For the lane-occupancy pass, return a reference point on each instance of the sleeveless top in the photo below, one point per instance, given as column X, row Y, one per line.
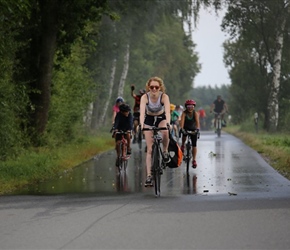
column 154, row 107
column 189, row 122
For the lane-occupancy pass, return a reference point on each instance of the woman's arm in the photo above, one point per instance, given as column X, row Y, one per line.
column 166, row 103
column 182, row 120
column 197, row 120
column 143, row 102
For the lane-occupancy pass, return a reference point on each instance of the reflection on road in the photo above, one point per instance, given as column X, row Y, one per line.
column 225, row 165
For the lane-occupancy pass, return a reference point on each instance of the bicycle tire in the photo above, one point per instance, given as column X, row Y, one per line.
column 139, row 139
column 155, row 169
column 188, row 148
column 219, row 122
column 124, row 163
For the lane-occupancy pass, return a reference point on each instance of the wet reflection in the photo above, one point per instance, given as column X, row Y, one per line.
column 224, row 165
column 190, row 182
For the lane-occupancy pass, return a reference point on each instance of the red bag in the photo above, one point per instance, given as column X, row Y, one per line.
column 175, row 153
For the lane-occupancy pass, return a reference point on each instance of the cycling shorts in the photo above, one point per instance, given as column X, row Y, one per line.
column 154, row 120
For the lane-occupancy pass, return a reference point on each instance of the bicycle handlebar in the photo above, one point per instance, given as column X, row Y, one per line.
column 154, row 129
column 123, row 132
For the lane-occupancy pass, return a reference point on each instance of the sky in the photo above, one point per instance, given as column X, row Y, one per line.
column 209, row 38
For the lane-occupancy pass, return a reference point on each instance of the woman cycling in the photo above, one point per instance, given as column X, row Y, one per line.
column 155, row 111
column 190, row 121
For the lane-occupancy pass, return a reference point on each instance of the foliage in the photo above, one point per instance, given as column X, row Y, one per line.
column 72, row 94
column 39, row 164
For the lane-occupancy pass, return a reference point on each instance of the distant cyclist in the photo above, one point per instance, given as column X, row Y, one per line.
column 123, row 121
column 118, row 102
column 136, row 109
column 174, row 119
column 219, row 106
column 202, row 117
column 190, row 121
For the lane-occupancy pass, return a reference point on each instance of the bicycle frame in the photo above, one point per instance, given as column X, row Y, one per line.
column 157, row 164
column 123, row 157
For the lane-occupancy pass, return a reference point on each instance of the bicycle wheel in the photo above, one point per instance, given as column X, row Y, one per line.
column 155, row 169
column 124, row 164
column 188, row 156
column 219, row 127
column 120, row 157
column 139, row 138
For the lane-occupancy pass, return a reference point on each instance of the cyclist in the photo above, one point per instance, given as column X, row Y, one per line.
column 123, row 121
column 155, row 111
column 174, row 119
column 220, row 107
column 202, row 117
column 190, row 121
column 118, row 102
column 136, row 109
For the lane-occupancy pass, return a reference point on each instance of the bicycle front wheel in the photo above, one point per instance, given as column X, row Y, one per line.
column 139, row 138
column 155, row 169
column 188, row 149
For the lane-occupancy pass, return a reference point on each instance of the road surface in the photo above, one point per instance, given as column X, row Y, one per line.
column 233, row 200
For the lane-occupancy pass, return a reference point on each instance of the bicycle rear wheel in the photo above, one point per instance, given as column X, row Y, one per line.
column 155, row 169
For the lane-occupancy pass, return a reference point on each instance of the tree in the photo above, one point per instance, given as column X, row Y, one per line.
column 263, row 24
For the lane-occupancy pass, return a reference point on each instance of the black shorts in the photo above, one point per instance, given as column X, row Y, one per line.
column 192, row 137
column 154, row 120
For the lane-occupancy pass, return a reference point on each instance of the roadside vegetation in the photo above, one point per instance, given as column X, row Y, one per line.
column 274, row 148
column 43, row 163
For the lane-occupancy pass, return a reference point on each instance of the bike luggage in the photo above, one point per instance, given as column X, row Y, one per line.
column 175, row 153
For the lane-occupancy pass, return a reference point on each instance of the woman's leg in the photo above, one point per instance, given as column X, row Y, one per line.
column 165, row 135
column 149, row 142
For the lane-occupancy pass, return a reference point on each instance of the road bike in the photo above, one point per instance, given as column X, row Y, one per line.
column 157, row 163
column 188, row 147
column 123, row 146
column 218, row 123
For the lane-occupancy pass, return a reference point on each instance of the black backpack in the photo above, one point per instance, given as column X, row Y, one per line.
column 175, row 153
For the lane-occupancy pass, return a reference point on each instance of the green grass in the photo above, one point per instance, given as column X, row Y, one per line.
column 274, row 148
column 39, row 164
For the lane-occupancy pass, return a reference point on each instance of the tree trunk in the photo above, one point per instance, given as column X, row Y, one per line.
column 273, row 104
column 49, row 16
column 125, row 71
column 110, row 87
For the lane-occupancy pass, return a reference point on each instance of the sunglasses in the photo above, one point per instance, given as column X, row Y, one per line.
column 190, row 106
column 154, row 87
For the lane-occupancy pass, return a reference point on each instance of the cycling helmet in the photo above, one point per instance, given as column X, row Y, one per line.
column 190, row 102
column 172, row 107
column 142, row 91
column 124, row 107
column 119, row 99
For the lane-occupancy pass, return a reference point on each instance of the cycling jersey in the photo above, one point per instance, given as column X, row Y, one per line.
column 174, row 116
column 123, row 122
column 189, row 122
column 218, row 106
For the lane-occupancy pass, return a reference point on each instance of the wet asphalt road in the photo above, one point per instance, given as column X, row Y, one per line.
column 233, row 200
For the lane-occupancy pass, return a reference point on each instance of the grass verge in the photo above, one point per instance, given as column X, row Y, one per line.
column 274, row 148
column 44, row 163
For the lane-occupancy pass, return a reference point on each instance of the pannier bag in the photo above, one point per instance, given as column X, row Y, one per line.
column 175, row 153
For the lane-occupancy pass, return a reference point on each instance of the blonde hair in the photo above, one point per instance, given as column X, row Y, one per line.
column 157, row 79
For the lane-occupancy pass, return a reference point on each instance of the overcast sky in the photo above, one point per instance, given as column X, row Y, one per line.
column 208, row 38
